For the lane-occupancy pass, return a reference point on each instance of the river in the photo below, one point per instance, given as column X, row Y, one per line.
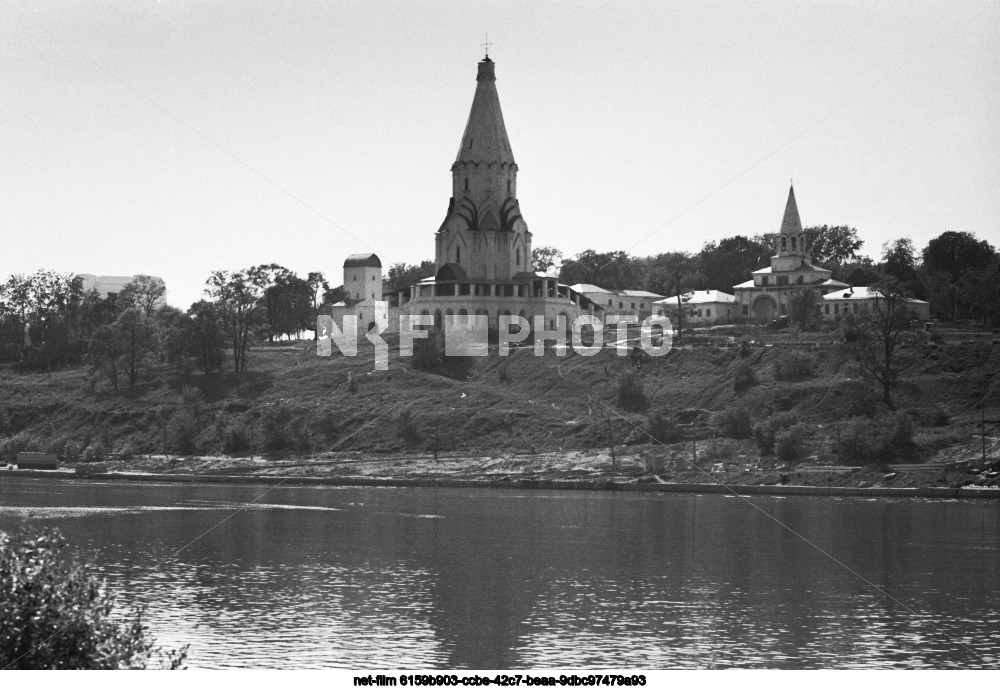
column 385, row 578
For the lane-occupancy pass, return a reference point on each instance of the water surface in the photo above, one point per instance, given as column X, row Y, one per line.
column 379, row 578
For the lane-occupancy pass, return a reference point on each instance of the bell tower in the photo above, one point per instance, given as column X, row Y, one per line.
column 790, row 244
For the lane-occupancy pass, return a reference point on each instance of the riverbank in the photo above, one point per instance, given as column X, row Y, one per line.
column 573, row 470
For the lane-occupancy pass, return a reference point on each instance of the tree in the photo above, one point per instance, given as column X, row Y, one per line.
column 859, row 272
column 139, row 338
column 55, row 615
column 828, row 245
column 144, row 293
column 731, row 261
column 804, row 309
column 610, row 270
column 543, row 259
column 946, row 257
column 237, row 297
column 900, row 261
column 673, row 274
column 318, row 289
column 878, row 333
column 403, row 276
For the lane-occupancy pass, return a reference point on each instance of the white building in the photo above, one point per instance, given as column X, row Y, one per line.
column 838, row 304
column 700, row 306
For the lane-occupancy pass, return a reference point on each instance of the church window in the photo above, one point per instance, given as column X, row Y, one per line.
column 793, row 243
column 800, row 280
column 746, row 310
column 826, row 308
column 784, row 243
column 783, row 310
column 763, row 280
column 836, row 309
column 633, row 305
column 508, row 187
column 621, row 305
column 708, row 312
column 782, row 280
column 466, row 184
column 355, row 278
column 519, row 250
column 610, row 303
column 458, row 255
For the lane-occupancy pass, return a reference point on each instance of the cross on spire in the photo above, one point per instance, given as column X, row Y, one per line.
column 487, row 45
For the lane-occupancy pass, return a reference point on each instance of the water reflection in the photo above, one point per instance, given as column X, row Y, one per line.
column 389, row 578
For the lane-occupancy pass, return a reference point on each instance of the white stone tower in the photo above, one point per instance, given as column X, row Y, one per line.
column 483, row 236
column 363, row 277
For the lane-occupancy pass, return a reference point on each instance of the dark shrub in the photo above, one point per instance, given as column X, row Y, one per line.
column 282, row 428
column 429, row 355
column 183, row 432
column 794, row 366
column 55, row 615
column 631, row 396
column 237, row 438
column 882, row 440
column 745, row 349
column 765, row 431
column 790, row 443
column 406, row 429
column 96, row 452
column 663, row 428
column 743, row 377
column 734, row 422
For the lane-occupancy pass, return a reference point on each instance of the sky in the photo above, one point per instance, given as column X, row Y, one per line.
column 175, row 138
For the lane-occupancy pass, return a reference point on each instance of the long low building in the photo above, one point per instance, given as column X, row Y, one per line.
column 700, row 306
column 837, row 305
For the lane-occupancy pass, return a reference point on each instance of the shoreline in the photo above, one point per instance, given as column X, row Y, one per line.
column 543, row 484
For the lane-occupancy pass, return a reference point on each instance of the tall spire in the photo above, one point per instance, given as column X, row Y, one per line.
column 485, row 139
column 790, row 224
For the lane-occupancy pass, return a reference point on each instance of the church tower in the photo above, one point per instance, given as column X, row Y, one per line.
column 790, row 244
column 483, row 236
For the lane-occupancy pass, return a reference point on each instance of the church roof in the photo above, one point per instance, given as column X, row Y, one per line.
column 362, row 260
column 791, row 224
column 485, row 139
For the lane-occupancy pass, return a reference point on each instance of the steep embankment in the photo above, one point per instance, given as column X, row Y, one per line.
column 295, row 403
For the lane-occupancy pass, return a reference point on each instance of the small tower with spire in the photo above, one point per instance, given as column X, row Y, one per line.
column 790, row 250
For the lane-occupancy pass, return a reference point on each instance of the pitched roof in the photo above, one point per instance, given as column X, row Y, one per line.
column 859, row 293
column 791, row 224
column 638, row 293
column 587, row 287
column 701, row 297
column 485, row 139
column 362, row 260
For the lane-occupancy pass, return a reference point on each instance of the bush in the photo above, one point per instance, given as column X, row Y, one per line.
column 10, row 447
column 429, row 355
column 406, row 429
column 236, row 438
column 766, row 431
column 743, row 377
column 734, row 422
column 745, row 348
column 72, row 451
column 182, row 431
column 55, row 615
column 282, row 428
column 631, row 396
column 663, row 428
column 790, row 443
column 96, row 452
column 127, row 451
column 794, row 366
column 882, row 440
column 717, row 449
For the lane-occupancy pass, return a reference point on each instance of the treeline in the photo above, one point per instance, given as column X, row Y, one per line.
column 956, row 272
column 48, row 320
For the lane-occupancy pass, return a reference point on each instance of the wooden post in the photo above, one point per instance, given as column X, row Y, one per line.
column 611, row 437
column 984, row 435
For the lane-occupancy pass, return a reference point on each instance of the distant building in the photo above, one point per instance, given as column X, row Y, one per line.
column 700, row 307
column 837, row 305
column 638, row 303
column 363, row 284
column 770, row 292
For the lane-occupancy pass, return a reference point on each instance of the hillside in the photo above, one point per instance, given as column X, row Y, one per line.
column 295, row 404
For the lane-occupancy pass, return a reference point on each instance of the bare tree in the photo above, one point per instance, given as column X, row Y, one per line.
column 876, row 334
